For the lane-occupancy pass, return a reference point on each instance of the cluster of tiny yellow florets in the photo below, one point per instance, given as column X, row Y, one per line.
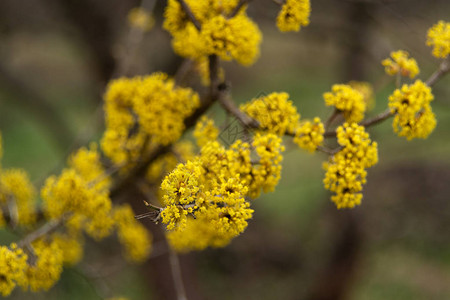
column 439, row 38
column 345, row 171
column 82, row 192
column 17, row 193
column 293, row 15
column 47, row 268
column 309, row 135
column 13, row 263
column 235, row 38
column 204, row 198
column 275, row 113
column 144, row 111
column 413, row 115
column 347, row 100
column 205, row 131
column 267, row 172
column 141, row 19
column 135, row 239
column 401, row 64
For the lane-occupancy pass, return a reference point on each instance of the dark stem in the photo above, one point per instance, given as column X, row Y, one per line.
column 190, row 14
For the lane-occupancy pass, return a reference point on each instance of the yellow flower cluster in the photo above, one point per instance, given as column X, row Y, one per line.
column 71, row 246
column 205, row 131
column 17, row 192
column 439, row 38
column 13, row 263
column 142, row 110
column 401, row 64
column 267, row 173
column 47, row 268
column 414, row 117
column 347, row 100
column 293, row 14
column 132, row 235
column 82, row 192
column 345, row 171
column 205, row 198
column 309, row 135
column 141, row 19
column 235, row 38
column 275, row 113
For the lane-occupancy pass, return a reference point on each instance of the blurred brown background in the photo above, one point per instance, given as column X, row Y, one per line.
column 56, row 57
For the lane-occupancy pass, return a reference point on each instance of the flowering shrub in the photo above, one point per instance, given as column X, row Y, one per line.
column 205, row 193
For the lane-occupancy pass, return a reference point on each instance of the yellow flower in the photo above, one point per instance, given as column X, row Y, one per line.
column 439, row 38
column 141, row 19
column 17, row 190
column 347, row 100
column 414, row 117
column 401, row 63
column 309, row 135
column 236, row 38
column 275, row 113
column 205, row 131
column 293, row 14
column 345, row 171
column 133, row 236
column 13, row 263
column 230, row 38
column 48, row 267
column 71, row 247
column 267, row 172
column 70, row 193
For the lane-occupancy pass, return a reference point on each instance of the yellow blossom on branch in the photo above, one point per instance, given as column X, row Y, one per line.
column 205, row 131
column 13, row 264
column 275, row 113
column 293, row 15
column 309, row 135
column 414, row 117
column 347, row 100
column 439, row 38
column 345, row 171
column 401, row 64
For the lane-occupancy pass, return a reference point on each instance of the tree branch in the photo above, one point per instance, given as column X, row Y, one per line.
column 238, row 8
column 47, row 228
column 190, row 14
column 444, row 68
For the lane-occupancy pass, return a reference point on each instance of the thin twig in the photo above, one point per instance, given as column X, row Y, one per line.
column 228, row 104
column 238, row 8
column 176, row 274
column 47, row 228
column 190, row 14
column 369, row 122
column 333, row 116
column 444, row 67
column 328, row 150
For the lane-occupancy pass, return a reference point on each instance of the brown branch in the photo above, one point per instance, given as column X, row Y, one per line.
column 369, row 122
column 176, row 274
column 47, row 228
column 190, row 14
column 228, row 104
column 444, row 68
column 238, row 8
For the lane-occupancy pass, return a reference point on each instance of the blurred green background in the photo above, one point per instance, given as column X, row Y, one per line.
column 56, row 57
